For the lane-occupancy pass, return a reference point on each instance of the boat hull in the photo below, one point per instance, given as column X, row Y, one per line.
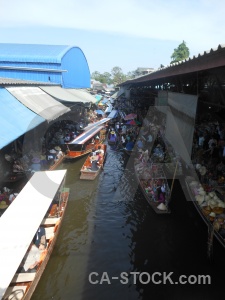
column 31, row 286
column 154, row 204
column 86, row 173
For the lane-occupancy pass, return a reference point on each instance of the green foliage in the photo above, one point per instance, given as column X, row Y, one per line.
column 115, row 77
column 180, row 53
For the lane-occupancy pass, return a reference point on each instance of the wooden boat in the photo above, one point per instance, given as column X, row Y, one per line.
column 57, row 163
column 214, row 221
column 112, row 138
column 149, row 176
column 85, row 142
column 42, row 202
column 86, row 172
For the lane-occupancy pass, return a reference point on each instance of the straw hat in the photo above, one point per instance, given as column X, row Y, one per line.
column 203, row 170
column 3, row 205
column 52, row 151
column 57, row 148
column 36, row 160
column 94, row 157
column 162, row 206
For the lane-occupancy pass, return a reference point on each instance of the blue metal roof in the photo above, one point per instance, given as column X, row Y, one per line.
column 33, row 52
column 15, row 118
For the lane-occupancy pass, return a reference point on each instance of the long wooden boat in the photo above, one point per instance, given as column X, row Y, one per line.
column 209, row 205
column 57, row 163
column 41, row 203
column 150, row 176
column 85, row 142
column 86, row 172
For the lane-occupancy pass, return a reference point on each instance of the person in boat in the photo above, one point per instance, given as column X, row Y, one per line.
column 100, row 150
column 140, row 144
column 67, row 138
column 59, row 153
column 36, row 164
column 130, row 145
column 94, row 163
column 112, row 136
column 40, row 238
column 31, row 259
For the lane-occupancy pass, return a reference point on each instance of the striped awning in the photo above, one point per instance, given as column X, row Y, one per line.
column 84, row 137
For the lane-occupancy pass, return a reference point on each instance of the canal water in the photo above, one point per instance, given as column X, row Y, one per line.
column 109, row 228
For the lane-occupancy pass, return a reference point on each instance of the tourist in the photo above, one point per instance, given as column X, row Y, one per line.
column 36, row 164
column 40, row 238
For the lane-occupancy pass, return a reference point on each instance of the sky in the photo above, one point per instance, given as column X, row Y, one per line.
column 124, row 33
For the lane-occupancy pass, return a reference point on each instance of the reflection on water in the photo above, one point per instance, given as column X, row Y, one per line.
column 109, row 227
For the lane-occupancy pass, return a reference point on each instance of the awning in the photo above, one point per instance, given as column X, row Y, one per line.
column 99, row 112
column 69, row 95
column 22, row 218
column 104, row 100
column 39, row 102
column 113, row 114
column 16, row 119
column 117, row 94
column 109, row 108
column 84, row 137
column 98, row 98
column 102, row 121
column 122, row 114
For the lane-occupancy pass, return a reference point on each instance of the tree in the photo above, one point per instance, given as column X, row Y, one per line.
column 180, row 53
column 117, row 75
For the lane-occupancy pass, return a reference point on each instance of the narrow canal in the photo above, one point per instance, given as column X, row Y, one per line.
column 109, row 227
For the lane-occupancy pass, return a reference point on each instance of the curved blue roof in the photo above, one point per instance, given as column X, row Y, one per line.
column 33, row 52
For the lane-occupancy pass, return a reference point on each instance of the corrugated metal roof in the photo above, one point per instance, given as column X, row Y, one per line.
column 213, row 58
column 69, row 95
column 33, row 52
column 11, row 81
column 39, row 102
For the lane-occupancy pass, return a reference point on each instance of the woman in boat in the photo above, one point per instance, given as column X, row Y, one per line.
column 94, row 163
column 31, row 260
column 40, row 238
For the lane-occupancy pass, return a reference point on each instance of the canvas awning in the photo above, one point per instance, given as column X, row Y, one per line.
column 102, row 121
column 39, row 102
column 99, row 112
column 113, row 114
column 16, row 119
column 21, row 220
column 69, row 95
column 117, row 94
column 85, row 136
column 109, row 108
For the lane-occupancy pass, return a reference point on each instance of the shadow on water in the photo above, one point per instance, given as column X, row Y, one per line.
column 109, row 227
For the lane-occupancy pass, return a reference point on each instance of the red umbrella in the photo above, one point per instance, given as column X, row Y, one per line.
column 130, row 117
column 132, row 122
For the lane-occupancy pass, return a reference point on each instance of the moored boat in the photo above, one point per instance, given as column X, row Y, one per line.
column 40, row 204
column 154, row 186
column 94, row 163
column 85, row 142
